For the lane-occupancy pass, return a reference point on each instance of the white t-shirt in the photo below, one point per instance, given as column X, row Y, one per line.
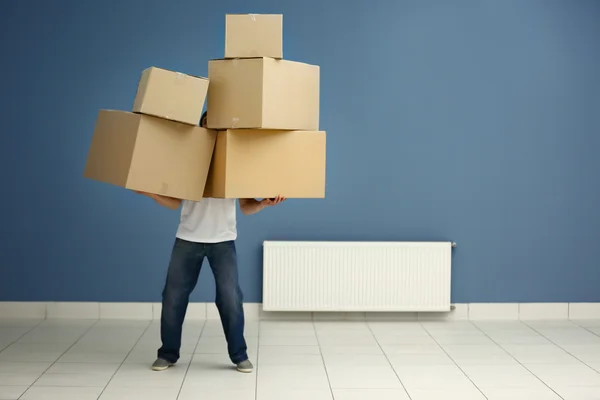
column 208, row 221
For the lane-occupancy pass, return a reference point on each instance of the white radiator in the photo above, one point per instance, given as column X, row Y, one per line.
column 356, row 276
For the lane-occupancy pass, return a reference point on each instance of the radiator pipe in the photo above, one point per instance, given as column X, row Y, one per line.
column 453, row 245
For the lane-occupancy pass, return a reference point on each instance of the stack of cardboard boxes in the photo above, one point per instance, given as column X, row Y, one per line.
column 263, row 135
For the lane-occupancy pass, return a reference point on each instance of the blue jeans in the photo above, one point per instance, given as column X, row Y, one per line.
column 184, row 268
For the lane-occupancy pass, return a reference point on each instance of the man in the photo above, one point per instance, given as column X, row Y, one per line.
column 207, row 229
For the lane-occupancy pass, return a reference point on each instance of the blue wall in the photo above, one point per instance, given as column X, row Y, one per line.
column 472, row 121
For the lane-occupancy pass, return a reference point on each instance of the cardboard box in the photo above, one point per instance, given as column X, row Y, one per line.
column 264, row 164
column 253, row 35
column 150, row 154
column 171, row 95
column 263, row 93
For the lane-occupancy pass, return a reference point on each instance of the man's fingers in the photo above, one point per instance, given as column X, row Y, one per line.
column 274, row 200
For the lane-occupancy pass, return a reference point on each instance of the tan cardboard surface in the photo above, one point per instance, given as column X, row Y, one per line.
column 150, row 154
column 253, row 35
column 264, row 164
column 171, row 95
column 263, row 93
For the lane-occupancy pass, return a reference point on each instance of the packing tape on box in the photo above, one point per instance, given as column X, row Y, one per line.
column 235, row 62
column 179, row 77
column 252, row 17
column 234, row 122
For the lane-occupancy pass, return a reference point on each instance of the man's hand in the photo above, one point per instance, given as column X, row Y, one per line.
column 252, row 206
column 273, row 202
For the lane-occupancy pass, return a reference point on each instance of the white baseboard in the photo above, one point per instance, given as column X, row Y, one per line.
column 14, row 309
column 254, row 312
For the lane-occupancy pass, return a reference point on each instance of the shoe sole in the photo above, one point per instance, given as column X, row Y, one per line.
column 245, row 370
column 162, row 368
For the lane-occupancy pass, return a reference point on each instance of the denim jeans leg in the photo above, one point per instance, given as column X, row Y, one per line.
column 223, row 262
column 182, row 276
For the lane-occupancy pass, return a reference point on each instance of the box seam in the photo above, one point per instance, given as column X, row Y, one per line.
column 133, row 150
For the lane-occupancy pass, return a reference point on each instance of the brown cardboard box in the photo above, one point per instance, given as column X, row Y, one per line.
column 171, row 95
column 264, row 164
column 253, row 35
column 263, row 93
column 150, row 154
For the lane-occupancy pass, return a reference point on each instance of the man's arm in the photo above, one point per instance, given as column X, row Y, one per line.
column 169, row 202
column 252, row 206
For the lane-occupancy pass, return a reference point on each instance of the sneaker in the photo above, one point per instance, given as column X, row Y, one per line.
column 245, row 366
column 161, row 365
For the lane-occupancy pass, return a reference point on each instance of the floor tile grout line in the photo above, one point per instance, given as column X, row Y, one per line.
column 257, row 362
column 586, row 328
column 192, row 358
column 124, row 359
column 515, row 358
column 453, row 360
column 322, row 358
column 389, row 362
column 562, row 348
column 22, row 335
column 59, row 357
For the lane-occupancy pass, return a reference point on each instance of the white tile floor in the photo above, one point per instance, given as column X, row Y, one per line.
column 321, row 360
